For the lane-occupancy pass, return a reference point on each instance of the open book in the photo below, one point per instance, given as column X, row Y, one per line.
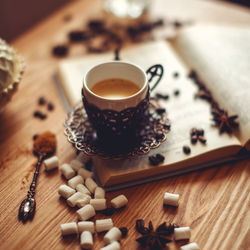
column 221, row 57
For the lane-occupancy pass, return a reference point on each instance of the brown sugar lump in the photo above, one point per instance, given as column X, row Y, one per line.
column 67, row 171
column 91, row 185
column 119, row 201
column 114, row 234
column 86, row 240
column 86, row 226
column 182, row 233
column 69, row 228
column 86, row 212
column 73, row 182
column 98, row 204
column 103, row 225
column 66, row 191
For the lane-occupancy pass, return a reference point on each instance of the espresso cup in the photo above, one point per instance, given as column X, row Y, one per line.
column 116, row 119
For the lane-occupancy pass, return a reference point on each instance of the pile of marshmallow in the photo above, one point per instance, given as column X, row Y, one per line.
column 83, row 192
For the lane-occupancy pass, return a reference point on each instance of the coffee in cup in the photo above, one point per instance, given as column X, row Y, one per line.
column 115, row 88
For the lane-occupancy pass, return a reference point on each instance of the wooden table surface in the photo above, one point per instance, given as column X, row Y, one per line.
column 213, row 202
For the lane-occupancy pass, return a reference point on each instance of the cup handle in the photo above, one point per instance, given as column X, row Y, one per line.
column 154, row 74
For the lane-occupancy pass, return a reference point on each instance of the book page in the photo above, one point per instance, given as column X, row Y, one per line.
column 183, row 110
column 221, row 57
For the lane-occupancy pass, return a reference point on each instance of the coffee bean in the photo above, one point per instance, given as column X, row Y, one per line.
column 176, row 92
column 186, row 149
column 60, row 50
column 40, row 115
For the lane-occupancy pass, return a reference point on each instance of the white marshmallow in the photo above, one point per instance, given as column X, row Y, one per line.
column 83, row 201
column 73, row 182
column 86, row 240
column 81, row 188
column 113, row 246
column 190, row 246
column 66, row 191
column 85, row 173
column 82, row 157
column 171, row 199
column 86, row 212
column 182, row 233
column 69, row 228
column 103, row 225
column 114, row 234
column 67, row 171
column 119, row 201
column 76, row 165
column 91, row 185
column 86, row 226
column 99, row 193
column 72, row 200
column 51, row 163
column 98, row 204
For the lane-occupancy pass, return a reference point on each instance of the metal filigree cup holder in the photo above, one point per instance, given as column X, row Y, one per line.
column 83, row 136
column 115, row 135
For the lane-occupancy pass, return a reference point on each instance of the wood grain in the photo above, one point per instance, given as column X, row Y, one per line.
column 214, row 202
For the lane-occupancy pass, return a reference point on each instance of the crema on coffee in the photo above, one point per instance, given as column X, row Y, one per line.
column 115, row 88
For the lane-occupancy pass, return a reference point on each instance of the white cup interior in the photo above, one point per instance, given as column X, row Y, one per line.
column 121, row 70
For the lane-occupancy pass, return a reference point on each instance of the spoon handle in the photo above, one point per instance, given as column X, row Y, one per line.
column 28, row 205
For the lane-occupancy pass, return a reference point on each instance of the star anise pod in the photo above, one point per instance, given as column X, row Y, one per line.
column 223, row 121
column 152, row 239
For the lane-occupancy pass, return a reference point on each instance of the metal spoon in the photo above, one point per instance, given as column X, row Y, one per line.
column 28, row 205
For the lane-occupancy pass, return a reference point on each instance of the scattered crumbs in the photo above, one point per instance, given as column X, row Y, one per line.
column 176, row 74
column 60, row 50
column 40, row 115
column 177, row 92
column 41, row 100
column 25, row 179
column 186, row 149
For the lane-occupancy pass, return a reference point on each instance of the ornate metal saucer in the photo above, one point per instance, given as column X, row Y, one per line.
column 82, row 135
